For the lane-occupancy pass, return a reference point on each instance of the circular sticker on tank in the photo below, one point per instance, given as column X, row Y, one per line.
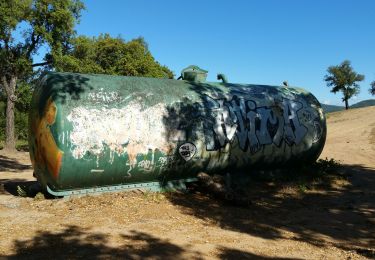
column 187, row 151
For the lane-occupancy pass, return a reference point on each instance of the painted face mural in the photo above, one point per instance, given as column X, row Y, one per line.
column 46, row 152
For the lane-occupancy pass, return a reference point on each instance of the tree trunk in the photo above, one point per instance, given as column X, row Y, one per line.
column 346, row 104
column 10, row 88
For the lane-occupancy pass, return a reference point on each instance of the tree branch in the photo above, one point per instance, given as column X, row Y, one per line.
column 5, row 85
column 6, row 44
column 41, row 64
column 34, row 42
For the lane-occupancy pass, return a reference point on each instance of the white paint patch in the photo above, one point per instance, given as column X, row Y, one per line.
column 95, row 170
column 131, row 130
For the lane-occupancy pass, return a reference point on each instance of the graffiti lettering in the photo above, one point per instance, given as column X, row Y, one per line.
column 254, row 126
column 146, row 165
column 166, row 162
column 101, row 96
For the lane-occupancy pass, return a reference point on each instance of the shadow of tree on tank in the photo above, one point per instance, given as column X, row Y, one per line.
column 62, row 87
column 187, row 122
column 75, row 242
column 227, row 121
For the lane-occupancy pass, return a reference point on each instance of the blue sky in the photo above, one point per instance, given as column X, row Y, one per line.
column 263, row 42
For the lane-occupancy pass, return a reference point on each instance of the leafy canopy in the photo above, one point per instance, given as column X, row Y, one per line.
column 25, row 26
column 372, row 88
column 114, row 56
column 39, row 22
column 342, row 78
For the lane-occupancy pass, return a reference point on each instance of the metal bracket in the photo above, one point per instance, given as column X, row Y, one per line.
column 150, row 186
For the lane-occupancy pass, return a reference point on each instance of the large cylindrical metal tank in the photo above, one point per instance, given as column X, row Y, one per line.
column 96, row 131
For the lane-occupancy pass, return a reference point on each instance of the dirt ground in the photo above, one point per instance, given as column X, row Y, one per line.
column 335, row 221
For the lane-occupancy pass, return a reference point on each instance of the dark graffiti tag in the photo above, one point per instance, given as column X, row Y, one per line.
column 252, row 125
column 187, row 151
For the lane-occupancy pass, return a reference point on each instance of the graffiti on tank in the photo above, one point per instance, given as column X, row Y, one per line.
column 147, row 165
column 254, row 126
column 318, row 131
column 166, row 162
column 187, row 151
column 102, row 96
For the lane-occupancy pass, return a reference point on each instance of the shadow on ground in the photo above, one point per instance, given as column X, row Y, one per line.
column 344, row 214
column 11, row 186
column 77, row 243
column 229, row 253
column 8, row 185
column 12, row 165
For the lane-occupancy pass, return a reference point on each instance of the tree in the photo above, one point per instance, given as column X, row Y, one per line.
column 114, row 56
column 41, row 22
column 344, row 79
column 372, row 88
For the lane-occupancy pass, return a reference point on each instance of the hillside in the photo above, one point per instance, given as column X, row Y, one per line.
column 333, row 108
column 351, row 136
column 364, row 103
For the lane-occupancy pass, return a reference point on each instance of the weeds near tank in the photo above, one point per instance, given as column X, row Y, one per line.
column 326, row 166
column 320, row 168
column 21, row 145
column 155, row 197
column 31, row 190
column 321, row 174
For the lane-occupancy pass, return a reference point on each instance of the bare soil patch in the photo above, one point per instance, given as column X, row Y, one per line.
column 329, row 219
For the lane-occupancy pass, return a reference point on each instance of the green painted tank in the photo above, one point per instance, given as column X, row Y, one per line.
column 96, row 132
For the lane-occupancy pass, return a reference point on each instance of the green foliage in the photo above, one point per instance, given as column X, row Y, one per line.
column 40, row 23
column 342, row 78
column 44, row 22
column 305, row 176
column 114, row 56
column 24, row 93
column 13, row 58
column 372, row 88
column 21, row 124
column 21, row 145
column 22, row 106
column 326, row 166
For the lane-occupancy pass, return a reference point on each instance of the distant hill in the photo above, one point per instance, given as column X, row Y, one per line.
column 364, row 103
column 332, row 108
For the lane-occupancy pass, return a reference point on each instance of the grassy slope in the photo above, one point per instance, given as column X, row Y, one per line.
column 364, row 103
